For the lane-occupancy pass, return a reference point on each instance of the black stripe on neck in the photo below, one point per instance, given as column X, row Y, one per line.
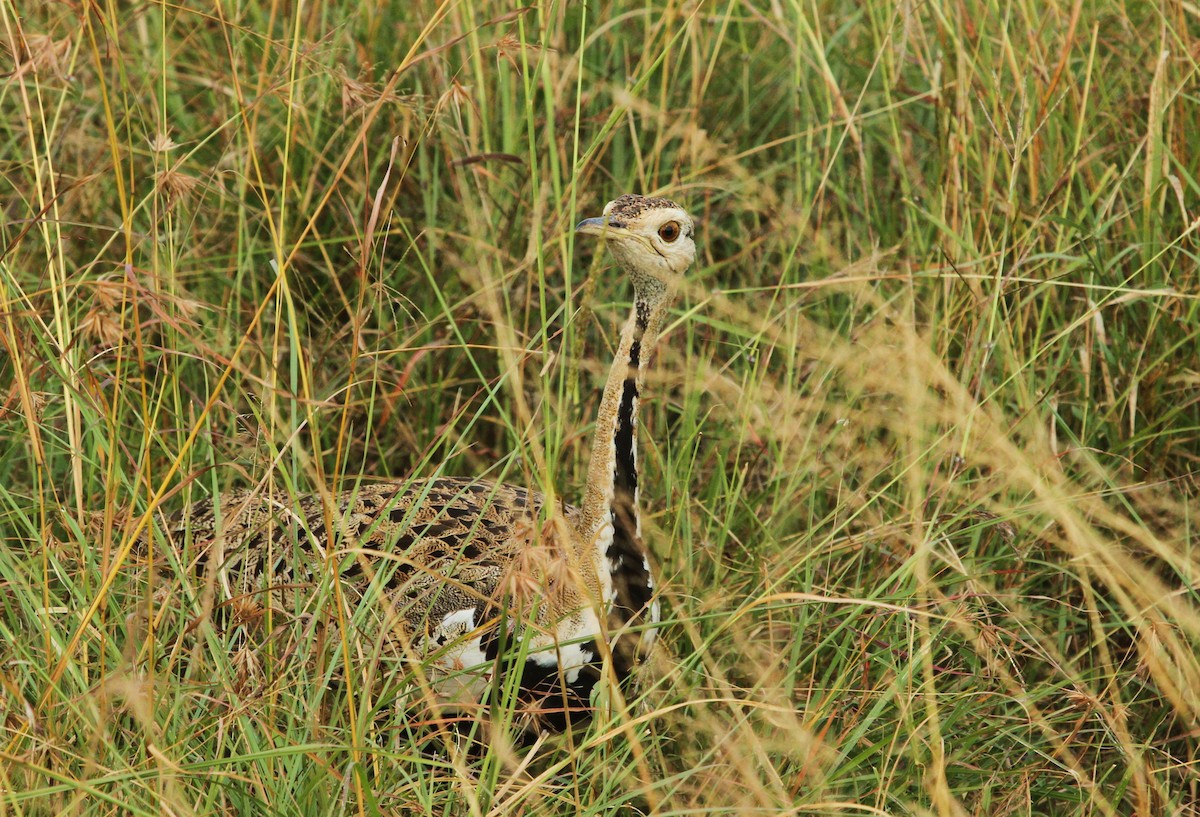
column 625, row 472
column 626, row 554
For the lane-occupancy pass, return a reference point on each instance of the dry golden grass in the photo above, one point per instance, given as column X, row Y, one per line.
column 923, row 433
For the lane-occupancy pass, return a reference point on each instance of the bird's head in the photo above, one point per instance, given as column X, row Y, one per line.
column 650, row 238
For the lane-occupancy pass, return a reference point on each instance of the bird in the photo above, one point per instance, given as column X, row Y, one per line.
column 474, row 578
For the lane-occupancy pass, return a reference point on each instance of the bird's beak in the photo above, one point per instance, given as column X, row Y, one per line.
column 599, row 226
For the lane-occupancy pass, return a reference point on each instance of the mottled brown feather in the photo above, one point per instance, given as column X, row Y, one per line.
column 438, row 545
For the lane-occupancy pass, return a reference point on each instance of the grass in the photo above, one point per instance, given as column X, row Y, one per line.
column 922, row 441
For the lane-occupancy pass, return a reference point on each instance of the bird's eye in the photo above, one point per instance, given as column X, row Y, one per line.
column 669, row 231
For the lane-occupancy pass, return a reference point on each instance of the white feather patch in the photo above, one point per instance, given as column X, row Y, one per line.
column 568, row 648
column 574, row 656
column 651, row 633
column 467, row 668
column 604, row 538
column 462, row 653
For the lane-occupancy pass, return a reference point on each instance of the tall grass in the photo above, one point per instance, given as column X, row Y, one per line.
column 922, row 438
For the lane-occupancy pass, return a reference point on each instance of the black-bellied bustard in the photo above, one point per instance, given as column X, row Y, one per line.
column 471, row 573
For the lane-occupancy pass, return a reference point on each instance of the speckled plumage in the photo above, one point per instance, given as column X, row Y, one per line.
column 464, row 573
column 452, row 559
column 630, row 207
column 415, row 534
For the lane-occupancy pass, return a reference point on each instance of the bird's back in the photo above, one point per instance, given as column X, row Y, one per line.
column 447, row 569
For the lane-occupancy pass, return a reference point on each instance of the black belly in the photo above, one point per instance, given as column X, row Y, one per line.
column 543, row 692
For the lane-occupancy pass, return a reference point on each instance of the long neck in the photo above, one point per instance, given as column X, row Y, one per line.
column 611, row 493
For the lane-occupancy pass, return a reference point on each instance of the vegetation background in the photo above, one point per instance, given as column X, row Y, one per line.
column 922, row 440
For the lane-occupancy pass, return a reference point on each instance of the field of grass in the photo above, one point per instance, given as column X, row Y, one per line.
column 922, row 438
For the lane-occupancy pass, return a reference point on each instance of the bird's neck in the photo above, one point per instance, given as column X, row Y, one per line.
column 610, row 504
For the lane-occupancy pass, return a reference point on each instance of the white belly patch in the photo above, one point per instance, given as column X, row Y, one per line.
column 462, row 657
